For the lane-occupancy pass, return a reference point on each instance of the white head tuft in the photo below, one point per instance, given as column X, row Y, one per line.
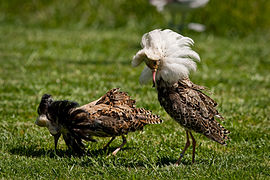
column 173, row 51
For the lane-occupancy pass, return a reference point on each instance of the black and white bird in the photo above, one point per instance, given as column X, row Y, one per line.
column 114, row 114
column 182, row 7
column 169, row 59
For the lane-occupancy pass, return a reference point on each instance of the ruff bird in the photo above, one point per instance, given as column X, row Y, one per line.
column 169, row 59
column 114, row 114
column 183, row 7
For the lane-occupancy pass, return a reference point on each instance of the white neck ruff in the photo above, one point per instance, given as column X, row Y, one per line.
column 173, row 50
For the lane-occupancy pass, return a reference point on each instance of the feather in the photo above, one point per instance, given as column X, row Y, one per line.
column 169, row 55
column 112, row 115
column 192, row 109
column 146, row 75
column 172, row 49
column 138, row 58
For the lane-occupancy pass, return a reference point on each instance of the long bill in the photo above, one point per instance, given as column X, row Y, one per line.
column 154, row 77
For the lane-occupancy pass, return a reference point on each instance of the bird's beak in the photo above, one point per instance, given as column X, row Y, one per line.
column 154, row 77
column 153, row 65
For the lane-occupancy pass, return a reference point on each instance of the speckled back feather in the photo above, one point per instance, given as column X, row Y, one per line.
column 112, row 115
column 114, row 97
column 192, row 109
column 115, row 113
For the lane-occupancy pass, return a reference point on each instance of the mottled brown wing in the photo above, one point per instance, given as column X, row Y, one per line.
column 146, row 116
column 117, row 121
column 115, row 97
column 194, row 110
column 107, row 120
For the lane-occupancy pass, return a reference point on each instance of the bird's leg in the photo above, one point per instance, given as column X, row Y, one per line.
column 56, row 138
column 193, row 147
column 185, row 148
column 107, row 145
column 124, row 142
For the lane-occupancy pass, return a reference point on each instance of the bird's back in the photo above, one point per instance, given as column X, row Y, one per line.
column 191, row 108
column 115, row 114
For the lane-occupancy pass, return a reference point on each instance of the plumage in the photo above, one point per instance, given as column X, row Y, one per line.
column 183, row 100
column 173, row 52
column 191, row 108
column 114, row 114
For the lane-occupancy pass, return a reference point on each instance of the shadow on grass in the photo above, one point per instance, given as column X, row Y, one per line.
column 165, row 161
column 34, row 151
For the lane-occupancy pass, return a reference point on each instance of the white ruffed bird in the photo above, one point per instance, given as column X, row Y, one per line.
column 169, row 59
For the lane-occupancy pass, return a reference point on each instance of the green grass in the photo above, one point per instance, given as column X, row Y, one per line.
column 82, row 65
column 78, row 50
column 230, row 17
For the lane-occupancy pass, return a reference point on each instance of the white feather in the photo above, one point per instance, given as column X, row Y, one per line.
column 138, row 58
column 170, row 71
column 146, row 75
column 172, row 49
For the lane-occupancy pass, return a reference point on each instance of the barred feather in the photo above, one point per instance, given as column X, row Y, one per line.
column 192, row 109
column 169, row 59
column 113, row 114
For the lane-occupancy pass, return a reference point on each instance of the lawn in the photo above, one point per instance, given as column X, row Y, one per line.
column 79, row 49
column 82, row 65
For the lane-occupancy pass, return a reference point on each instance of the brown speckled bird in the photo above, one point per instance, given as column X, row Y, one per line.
column 114, row 114
column 169, row 59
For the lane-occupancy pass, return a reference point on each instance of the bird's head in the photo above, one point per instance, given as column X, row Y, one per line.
column 167, row 55
column 45, row 116
column 42, row 119
column 55, row 115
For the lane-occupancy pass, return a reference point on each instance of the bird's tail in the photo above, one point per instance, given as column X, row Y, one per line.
column 146, row 116
column 218, row 133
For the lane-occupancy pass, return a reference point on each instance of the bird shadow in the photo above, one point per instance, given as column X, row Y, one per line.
column 165, row 161
column 34, row 151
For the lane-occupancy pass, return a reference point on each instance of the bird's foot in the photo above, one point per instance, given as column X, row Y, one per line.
column 115, row 151
column 179, row 160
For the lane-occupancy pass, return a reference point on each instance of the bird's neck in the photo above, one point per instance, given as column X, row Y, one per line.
column 62, row 108
column 162, row 83
column 185, row 83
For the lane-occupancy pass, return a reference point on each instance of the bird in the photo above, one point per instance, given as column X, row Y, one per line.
column 183, row 7
column 169, row 59
column 114, row 114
